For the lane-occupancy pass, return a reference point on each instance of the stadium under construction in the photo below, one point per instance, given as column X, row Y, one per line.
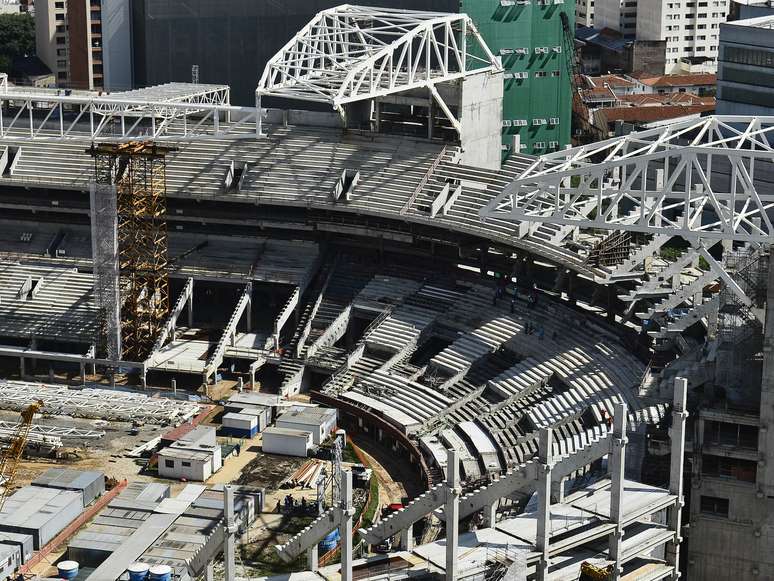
column 566, row 353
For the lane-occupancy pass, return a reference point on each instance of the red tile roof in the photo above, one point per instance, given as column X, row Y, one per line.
column 687, row 80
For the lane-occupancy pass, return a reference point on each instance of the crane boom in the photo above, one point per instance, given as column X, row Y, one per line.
column 11, row 455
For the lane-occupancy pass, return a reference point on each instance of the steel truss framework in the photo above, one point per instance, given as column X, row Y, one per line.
column 166, row 112
column 96, row 403
column 137, row 170
column 354, row 53
column 696, row 179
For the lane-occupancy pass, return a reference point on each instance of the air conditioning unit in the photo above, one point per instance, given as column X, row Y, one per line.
column 557, row 49
column 553, row 144
column 521, row 51
column 539, row 50
column 538, row 121
column 554, row 120
column 507, row 123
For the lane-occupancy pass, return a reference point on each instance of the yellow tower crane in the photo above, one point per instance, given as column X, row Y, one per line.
column 12, row 453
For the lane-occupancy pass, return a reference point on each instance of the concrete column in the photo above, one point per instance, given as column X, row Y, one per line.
column 229, row 546
column 174, row 386
column 210, row 572
column 679, row 416
column 377, row 115
column 248, row 316
column 144, row 379
column 430, row 117
column 452, row 511
column 490, row 515
column 571, row 284
column 22, row 370
column 407, row 538
column 313, row 558
column 33, row 346
column 259, row 117
column 241, row 385
column 557, row 491
column 83, row 373
column 190, row 308
column 345, row 531
column 611, row 303
column 482, row 252
column 617, row 465
column 545, row 457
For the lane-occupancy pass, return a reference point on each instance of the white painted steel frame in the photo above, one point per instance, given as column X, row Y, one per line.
column 659, row 181
column 204, row 111
column 355, row 53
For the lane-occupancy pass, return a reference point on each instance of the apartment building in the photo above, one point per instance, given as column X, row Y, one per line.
column 584, row 12
column 69, row 41
column 691, row 28
column 618, row 15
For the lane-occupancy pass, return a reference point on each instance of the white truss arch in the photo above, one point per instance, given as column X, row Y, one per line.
column 709, row 178
column 353, row 53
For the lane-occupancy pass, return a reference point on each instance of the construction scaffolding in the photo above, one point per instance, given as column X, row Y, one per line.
column 134, row 175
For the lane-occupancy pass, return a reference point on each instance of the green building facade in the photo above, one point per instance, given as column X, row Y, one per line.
column 537, row 100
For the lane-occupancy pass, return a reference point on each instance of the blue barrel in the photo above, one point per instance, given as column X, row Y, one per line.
column 138, row 572
column 330, row 541
column 160, row 573
column 67, row 569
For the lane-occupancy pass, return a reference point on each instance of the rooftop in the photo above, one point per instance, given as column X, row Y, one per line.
column 687, row 80
column 286, row 432
column 757, row 22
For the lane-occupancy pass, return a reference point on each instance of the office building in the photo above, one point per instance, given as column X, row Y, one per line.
column 746, row 67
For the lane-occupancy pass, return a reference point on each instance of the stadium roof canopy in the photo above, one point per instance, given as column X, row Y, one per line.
column 353, row 53
column 695, row 179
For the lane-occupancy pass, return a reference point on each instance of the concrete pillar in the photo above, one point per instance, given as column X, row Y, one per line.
column 241, row 385
column 572, row 282
column 174, row 386
column 611, row 303
column 407, row 538
column 144, row 379
column 313, row 558
column 677, row 436
column 249, row 316
column 83, row 373
column 545, row 457
column 258, row 117
column 430, row 117
column 490, row 515
column 452, row 512
column 482, row 252
column 22, row 370
column 210, row 572
column 557, row 491
column 190, row 308
column 377, row 115
column 33, row 346
column 229, row 546
column 345, row 531
column 617, row 465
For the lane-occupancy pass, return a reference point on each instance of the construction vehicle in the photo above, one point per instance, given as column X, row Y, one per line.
column 584, row 128
column 11, row 455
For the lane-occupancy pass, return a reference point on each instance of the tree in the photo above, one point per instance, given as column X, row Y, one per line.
column 17, row 38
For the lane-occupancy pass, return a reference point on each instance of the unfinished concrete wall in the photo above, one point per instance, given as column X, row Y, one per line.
column 481, row 114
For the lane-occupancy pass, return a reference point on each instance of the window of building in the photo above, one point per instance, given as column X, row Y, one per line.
column 541, row 74
column 97, row 69
column 169, row 463
column 96, row 29
column 61, row 64
column 630, row 25
column 60, row 40
column 59, row 5
column 748, row 56
column 556, row 73
column 60, row 27
column 730, row 468
column 688, row 38
column 61, row 52
column 702, row 15
column 714, row 506
column 60, row 16
column 689, row 26
column 701, row 26
column 186, row 464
